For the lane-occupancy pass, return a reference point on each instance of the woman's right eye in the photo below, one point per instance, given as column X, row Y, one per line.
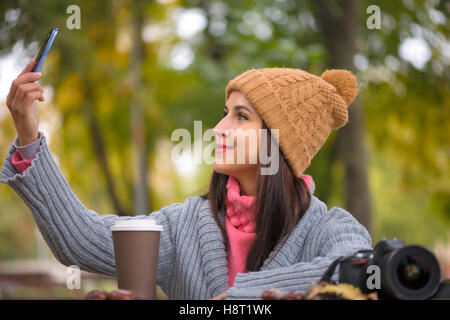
column 224, row 114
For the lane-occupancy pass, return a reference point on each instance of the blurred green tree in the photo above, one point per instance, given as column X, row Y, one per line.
column 105, row 74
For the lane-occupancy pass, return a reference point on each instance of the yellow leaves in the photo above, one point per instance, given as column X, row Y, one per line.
column 70, row 94
column 96, row 30
column 153, row 109
column 105, row 105
column 344, row 291
column 108, row 58
column 401, row 132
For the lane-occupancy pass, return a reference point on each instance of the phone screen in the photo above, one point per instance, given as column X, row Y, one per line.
column 45, row 49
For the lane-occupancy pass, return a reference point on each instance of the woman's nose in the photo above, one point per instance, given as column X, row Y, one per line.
column 222, row 130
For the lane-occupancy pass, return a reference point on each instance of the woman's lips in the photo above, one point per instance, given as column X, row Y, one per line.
column 221, row 148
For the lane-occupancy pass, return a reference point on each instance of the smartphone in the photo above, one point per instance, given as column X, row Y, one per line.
column 45, row 49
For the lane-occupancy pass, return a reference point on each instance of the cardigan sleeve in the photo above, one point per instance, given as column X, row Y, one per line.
column 28, row 151
column 22, row 157
column 75, row 234
column 19, row 163
column 341, row 235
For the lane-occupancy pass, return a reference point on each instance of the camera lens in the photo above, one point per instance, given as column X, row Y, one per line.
column 413, row 272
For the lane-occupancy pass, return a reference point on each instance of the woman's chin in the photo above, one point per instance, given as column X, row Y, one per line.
column 231, row 169
column 223, row 168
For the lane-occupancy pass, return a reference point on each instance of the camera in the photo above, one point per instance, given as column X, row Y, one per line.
column 405, row 271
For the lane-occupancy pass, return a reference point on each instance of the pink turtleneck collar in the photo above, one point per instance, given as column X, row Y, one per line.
column 240, row 225
column 241, row 209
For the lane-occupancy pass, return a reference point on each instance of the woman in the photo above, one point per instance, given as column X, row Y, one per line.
column 250, row 231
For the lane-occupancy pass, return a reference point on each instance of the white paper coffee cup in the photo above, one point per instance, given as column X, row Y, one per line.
column 136, row 249
column 136, row 225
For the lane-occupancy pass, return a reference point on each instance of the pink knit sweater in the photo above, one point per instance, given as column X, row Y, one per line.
column 240, row 226
column 19, row 163
column 239, row 220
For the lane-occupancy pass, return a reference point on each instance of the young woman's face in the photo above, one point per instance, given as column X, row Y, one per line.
column 237, row 137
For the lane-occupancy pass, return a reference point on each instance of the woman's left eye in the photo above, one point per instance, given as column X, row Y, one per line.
column 242, row 115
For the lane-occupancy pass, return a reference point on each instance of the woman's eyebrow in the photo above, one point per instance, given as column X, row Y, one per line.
column 241, row 107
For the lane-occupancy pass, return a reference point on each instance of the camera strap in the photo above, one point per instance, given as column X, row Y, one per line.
column 329, row 273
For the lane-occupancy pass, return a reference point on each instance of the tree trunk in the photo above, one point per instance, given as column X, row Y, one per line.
column 339, row 25
column 100, row 150
column 139, row 163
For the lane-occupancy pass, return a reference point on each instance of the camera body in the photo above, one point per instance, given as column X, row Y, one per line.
column 403, row 271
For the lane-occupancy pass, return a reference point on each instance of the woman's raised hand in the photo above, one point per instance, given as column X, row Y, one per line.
column 21, row 102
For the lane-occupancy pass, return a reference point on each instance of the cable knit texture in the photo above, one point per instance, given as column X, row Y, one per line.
column 192, row 260
column 302, row 106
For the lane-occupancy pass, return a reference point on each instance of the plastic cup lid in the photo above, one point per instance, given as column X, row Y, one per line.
column 146, row 224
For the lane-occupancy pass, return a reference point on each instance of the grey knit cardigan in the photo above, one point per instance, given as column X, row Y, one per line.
column 192, row 256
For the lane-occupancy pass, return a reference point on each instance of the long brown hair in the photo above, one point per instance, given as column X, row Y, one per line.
column 281, row 201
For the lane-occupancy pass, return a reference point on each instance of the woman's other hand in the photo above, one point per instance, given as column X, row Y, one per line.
column 220, row 296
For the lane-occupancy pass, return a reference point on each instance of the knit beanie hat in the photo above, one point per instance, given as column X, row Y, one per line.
column 304, row 107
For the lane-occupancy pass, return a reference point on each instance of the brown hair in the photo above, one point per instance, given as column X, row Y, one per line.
column 281, row 201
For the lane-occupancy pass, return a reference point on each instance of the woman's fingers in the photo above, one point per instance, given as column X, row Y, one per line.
column 23, row 89
column 23, row 78
column 30, row 97
column 22, row 107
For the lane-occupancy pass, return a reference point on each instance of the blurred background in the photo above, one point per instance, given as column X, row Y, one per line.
column 131, row 72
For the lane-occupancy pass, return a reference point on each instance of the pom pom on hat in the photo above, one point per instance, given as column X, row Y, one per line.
column 344, row 82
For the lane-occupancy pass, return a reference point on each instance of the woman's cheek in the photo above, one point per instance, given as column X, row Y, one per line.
column 251, row 150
